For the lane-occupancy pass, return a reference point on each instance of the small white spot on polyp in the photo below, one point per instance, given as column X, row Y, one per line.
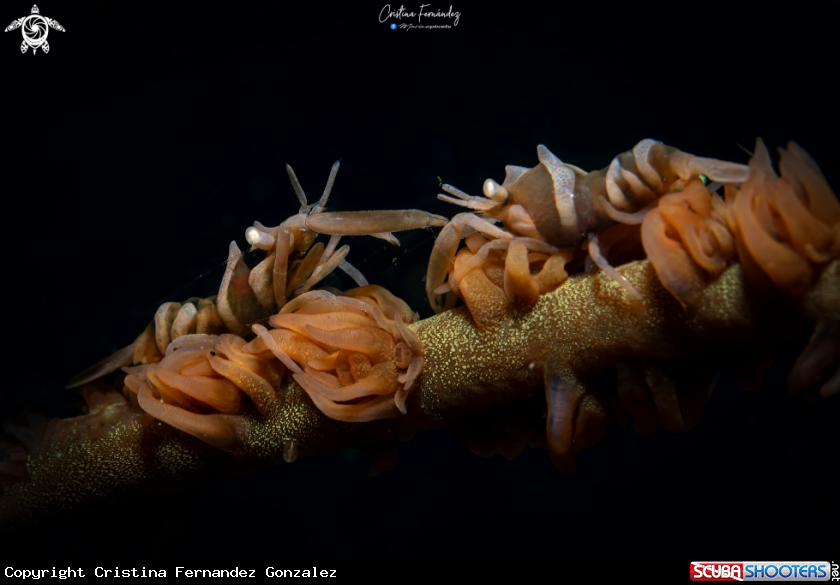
column 58, row 455
column 531, row 366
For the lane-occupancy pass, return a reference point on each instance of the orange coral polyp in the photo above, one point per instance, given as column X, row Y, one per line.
column 258, row 389
column 787, row 269
column 807, row 179
column 687, row 240
column 325, row 321
column 220, row 394
column 374, row 343
column 222, row 431
column 389, row 303
column 297, row 347
column 523, row 268
column 375, row 408
column 171, row 394
column 355, row 362
column 786, row 226
column 381, row 380
column 519, row 286
column 269, row 369
column 190, row 386
column 199, row 367
column 690, row 213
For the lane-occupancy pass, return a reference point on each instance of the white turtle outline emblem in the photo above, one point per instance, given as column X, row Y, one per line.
column 35, row 29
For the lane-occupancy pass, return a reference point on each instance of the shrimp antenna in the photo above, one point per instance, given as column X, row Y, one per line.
column 747, row 150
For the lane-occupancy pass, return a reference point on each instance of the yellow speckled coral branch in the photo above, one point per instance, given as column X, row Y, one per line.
column 581, row 327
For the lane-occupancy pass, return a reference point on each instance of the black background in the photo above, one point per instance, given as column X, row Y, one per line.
column 151, row 136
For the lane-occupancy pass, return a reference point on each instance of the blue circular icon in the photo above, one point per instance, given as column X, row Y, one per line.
column 393, row 26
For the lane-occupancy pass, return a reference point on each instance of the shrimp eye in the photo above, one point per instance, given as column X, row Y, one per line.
column 492, row 190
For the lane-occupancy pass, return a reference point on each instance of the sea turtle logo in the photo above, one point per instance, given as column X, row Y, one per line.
column 35, row 29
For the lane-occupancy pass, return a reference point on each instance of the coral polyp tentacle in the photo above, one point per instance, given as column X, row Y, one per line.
column 786, row 226
column 222, row 431
column 687, row 240
column 370, row 355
